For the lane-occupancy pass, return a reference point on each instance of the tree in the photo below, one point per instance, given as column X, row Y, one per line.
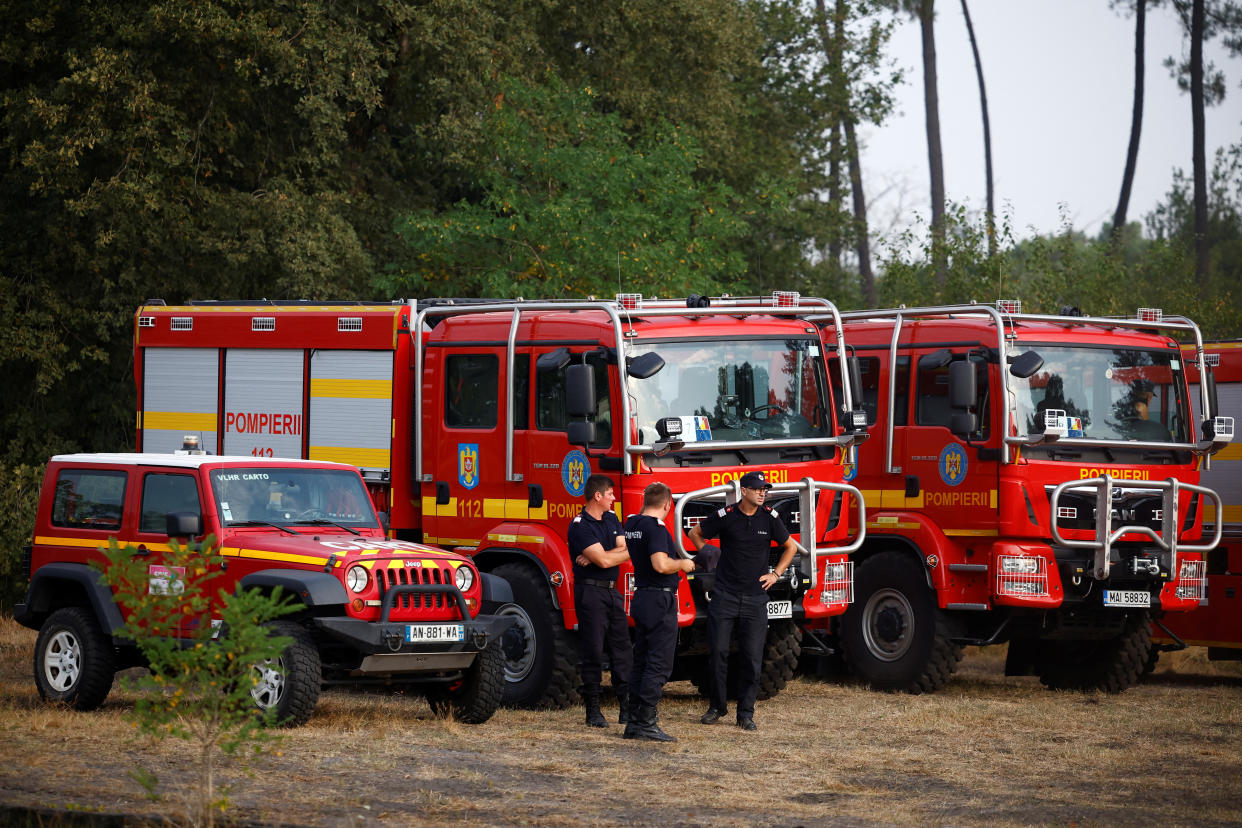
column 1136, row 118
column 987, row 133
column 570, row 207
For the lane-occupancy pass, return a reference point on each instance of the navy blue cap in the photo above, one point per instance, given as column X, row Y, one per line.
column 755, row 480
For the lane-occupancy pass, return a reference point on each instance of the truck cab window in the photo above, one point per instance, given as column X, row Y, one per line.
column 551, row 413
column 471, row 390
column 932, row 398
column 165, row 493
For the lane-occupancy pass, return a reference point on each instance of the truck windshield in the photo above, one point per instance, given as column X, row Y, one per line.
column 1107, row 394
column 290, row 495
column 752, row 389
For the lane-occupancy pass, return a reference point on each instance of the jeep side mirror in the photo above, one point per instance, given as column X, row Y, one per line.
column 580, row 390
column 183, row 524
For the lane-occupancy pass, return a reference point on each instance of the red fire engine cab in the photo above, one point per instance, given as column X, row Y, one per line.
column 1031, row 480
column 1217, row 624
column 476, row 423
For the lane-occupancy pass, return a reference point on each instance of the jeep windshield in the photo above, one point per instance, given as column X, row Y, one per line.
column 1106, row 394
column 288, row 496
column 748, row 389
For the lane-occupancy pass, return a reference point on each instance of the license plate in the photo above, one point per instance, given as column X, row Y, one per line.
column 1126, row 598
column 424, row 633
column 780, row 609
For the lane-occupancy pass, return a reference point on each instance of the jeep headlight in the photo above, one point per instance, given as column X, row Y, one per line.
column 357, row 578
column 464, row 578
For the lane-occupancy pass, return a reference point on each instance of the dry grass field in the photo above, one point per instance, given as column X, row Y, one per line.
column 988, row 750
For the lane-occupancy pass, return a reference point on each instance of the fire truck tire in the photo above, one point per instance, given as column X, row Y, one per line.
column 74, row 662
column 475, row 698
column 894, row 635
column 1110, row 666
column 781, row 652
column 1153, row 658
column 290, row 684
column 540, row 655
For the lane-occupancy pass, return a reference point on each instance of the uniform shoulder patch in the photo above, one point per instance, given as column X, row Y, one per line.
column 722, row 512
column 577, row 519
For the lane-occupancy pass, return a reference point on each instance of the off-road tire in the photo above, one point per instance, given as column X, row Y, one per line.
column 475, row 698
column 74, row 662
column 781, row 650
column 894, row 635
column 290, row 684
column 1109, row 666
column 540, row 655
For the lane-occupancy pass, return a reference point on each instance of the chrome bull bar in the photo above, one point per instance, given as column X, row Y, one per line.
column 1106, row 535
column 808, row 489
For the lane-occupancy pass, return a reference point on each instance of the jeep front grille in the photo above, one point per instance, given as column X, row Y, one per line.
column 415, row 604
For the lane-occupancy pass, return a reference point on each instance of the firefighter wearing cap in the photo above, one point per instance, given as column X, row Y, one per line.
column 654, row 610
column 597, row 544
column 739, row 605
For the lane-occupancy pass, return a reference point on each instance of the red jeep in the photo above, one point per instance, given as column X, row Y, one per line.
column 374, row 609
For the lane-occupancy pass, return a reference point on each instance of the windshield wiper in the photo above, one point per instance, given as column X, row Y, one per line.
column 264, row 523
column 322, row 522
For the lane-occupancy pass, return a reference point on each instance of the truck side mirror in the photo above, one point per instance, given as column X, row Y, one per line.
column 644, row 366
column 963, row 424
column 1026, row 364
column 580, row 390
column 183, row 524
column 581, row 433
column 1208, row 378
column 963, row 389
column 854, row 365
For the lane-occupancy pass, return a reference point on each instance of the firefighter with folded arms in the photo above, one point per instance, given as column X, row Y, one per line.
column 654, row 610
column 739, row 605
column 597, row 545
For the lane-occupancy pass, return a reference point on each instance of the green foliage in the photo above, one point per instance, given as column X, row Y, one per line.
column 570, row 206
column 201, row 672
column 1049, row 273
column 19, row 499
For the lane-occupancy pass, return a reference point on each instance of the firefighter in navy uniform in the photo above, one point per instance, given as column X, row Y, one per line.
column 739, row 605
column 597, row 546
column 654, row 610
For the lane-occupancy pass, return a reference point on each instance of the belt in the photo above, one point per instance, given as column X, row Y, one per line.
column 660, row 589
column 596, row 582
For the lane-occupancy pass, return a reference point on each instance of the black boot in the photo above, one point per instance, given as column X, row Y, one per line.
column 594, row 717
column 623, row 701
column 642, row 725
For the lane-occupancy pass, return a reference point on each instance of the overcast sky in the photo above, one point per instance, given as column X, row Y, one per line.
column 1060, row 81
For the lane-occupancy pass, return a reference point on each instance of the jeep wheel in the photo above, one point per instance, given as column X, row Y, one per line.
column 289, row 685
column 475, row 698
column 74, row 662
column 540, row 659
column 1110, row 666
column 893, row 633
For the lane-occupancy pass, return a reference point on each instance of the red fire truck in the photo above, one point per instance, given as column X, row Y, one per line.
column 1217, row 625
column 476, row 424
column 1031, row 480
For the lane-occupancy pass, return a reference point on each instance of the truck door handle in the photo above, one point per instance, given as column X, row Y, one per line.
column 912, row 485
column 535, row 497
column 442, row 493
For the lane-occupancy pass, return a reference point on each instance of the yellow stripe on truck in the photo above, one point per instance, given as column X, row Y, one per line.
column 179, row 421
column 368, row 458
column 378, row 389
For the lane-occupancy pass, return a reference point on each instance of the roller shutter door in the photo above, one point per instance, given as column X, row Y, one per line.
column 263, row 393
column 180, row 390
column 1225, row 476
column 351, row 408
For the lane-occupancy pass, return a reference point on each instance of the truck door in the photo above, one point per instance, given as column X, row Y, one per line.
column 956, row 474
column 557, row 468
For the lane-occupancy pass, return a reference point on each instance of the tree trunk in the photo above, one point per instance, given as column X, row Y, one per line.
column 935, row 160
column 987, row 133
column 1198, row 137
column 862, row 242
column 1136, row 121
